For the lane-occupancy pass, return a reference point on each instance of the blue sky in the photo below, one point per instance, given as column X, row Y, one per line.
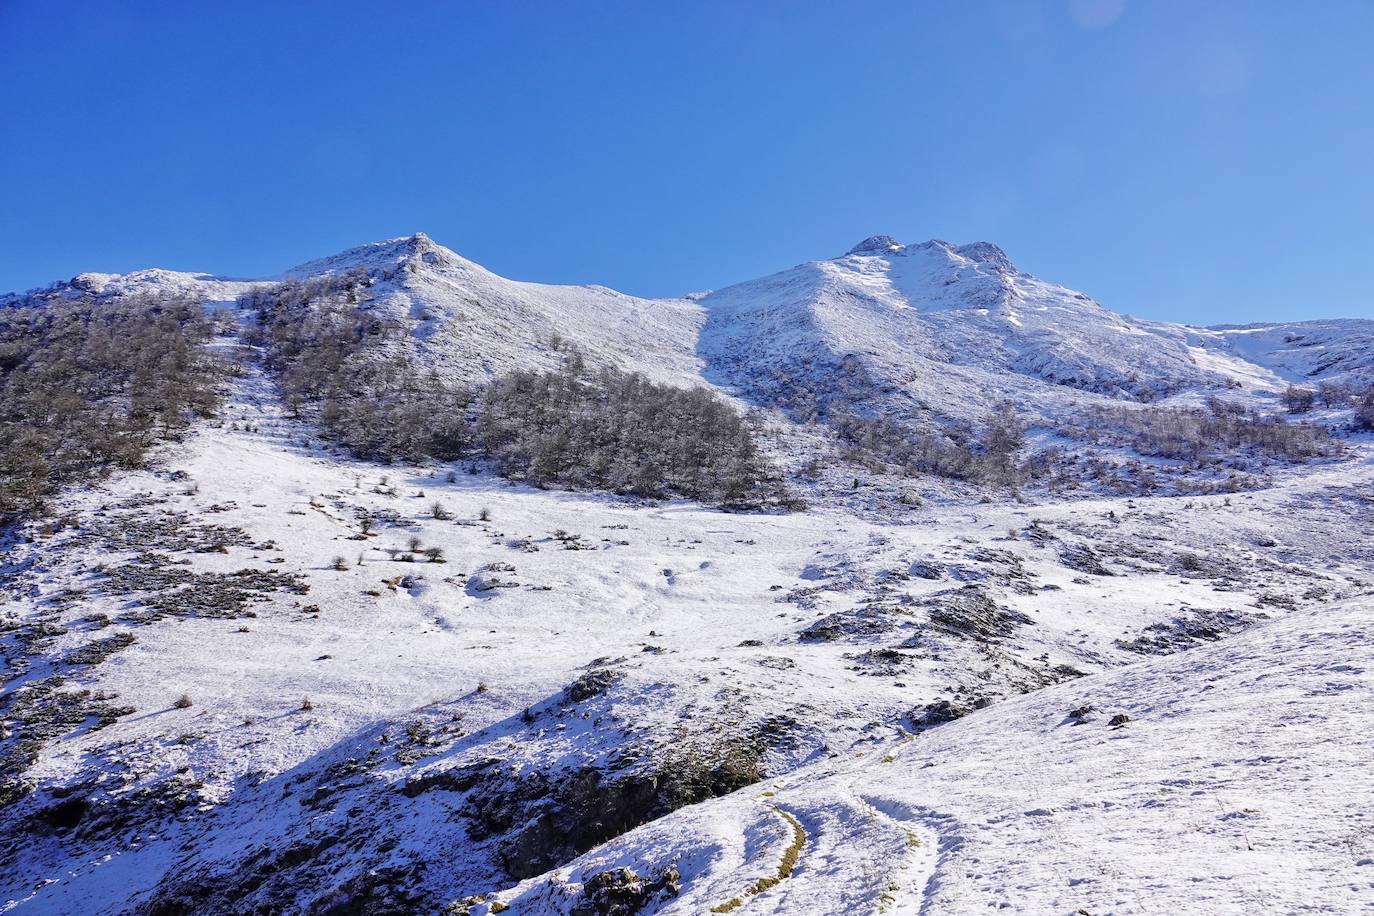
column 1202, row 162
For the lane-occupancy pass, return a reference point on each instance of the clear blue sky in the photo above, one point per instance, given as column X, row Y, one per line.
column 1203, row 162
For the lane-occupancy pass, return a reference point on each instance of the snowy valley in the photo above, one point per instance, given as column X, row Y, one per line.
column 988, row 599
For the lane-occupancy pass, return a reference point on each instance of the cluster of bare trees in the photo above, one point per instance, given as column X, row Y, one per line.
column 1334, row 395
column 1206, row 435
column 345, row 367
column 88, row 385
column 989, row 452
column 619, row 431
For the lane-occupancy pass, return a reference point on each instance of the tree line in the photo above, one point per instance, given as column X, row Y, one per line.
column 89, row 385
column 348, row 369
column 1222, row 429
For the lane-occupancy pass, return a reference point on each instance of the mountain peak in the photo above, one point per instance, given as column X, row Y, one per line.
column 403, row 252
column 984, row 253
column 876, row 244
column 987, row 254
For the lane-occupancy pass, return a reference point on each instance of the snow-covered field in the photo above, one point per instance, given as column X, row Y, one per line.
column 875, row 709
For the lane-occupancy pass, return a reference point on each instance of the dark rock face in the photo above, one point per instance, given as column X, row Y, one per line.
column 922, row 569
column 989, row 255
column 566, row 816
column 941, row 712
column 593, row 683
column 622, row 892
column 970, row 612
column 876, row 244
column 868, row 620
column 1200, row 566
column 1186, row 630
column 1082, row 558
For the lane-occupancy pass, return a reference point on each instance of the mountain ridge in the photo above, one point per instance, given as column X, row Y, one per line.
column 933, row 327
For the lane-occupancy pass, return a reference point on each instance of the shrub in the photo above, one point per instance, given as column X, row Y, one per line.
column 1332, row 394
column 1364, row 414
column 1299, row 400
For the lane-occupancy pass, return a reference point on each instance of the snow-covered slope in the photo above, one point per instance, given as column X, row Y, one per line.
column 398, row 734
column 947, row 329
column 474, row 324
column 1236, row 783
column 224, row 693
column 1300, row 351
column 213, row 290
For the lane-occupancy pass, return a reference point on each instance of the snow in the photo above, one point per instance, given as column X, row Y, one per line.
column 473, row 325
column 1238, row 785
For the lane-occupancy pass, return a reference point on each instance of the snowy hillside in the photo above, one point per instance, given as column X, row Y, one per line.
column 154, row 282
column 926, row 330
column 1223, row 790
column 947, row 329
column 929, row 329
column 1302, row 350
column 477, row 325
column 247, row 671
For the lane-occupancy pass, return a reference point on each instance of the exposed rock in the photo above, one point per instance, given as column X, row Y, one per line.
column 940, row 712
column 970, row 612
column 1084, row 559
column 1186, row 630
column 622, row 892
column 593, row 683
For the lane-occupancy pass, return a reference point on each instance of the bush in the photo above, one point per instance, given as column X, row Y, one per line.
column 1299, row 400
column 1364, row 414
column 1332, row 394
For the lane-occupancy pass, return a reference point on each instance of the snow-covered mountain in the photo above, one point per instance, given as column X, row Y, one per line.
column 477, row 325
column 948, row 329
column 904, row 329
column 260, row 675
column 888, row 327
